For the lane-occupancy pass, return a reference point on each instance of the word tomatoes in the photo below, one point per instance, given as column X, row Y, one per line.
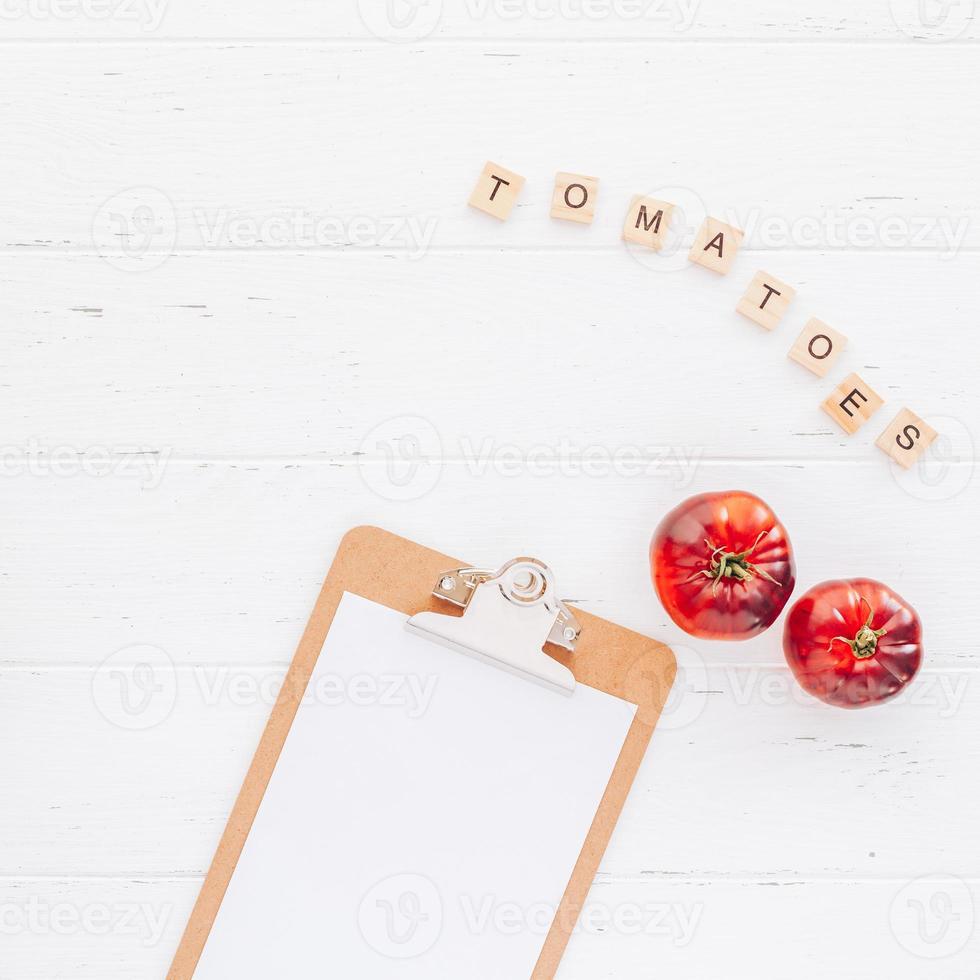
column 853, row 643
column 722, row 565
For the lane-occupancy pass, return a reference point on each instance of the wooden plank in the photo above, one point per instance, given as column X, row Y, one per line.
column 92, row 929
column 214, row 564
column 238, row 356
column 667, row 20
column 699, row 929
column 237, row 145
column 688, row 928
column 165, row 779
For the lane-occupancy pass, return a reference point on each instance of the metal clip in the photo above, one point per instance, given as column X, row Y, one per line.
column 509, row 615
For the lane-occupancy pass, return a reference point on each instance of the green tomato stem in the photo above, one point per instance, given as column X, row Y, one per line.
column 735, row 565
column 865, row 642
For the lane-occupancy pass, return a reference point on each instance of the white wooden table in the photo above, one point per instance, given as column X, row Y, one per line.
column 244, row 307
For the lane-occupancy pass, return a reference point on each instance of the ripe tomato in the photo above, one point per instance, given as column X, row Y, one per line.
column 853, row 643
column 722, row 565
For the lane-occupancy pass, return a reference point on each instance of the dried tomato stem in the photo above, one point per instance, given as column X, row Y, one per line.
column 732, row 565
column 865, row 642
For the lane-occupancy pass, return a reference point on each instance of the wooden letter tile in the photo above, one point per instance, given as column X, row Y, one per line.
column 496, row 191
column 817, row 347
column 906, row 439
column 766, row 300
column 574, row 198
column 647, row 222
column 715, row 245
column 852, row 403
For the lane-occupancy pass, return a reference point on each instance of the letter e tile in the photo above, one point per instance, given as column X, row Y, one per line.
column 852, row 403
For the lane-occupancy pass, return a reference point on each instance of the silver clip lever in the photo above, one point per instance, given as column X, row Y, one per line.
column 508, row 617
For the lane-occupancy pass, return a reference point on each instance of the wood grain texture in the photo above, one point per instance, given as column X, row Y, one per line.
column 362, row 22
column 301, row 357
column 120, row 928
column 103, row 562
column 234, row 145
column 856, row 788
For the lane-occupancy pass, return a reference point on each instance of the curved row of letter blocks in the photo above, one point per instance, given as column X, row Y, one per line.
column 765, row 301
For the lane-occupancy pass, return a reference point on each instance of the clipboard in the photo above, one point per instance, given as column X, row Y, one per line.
column 422, row 583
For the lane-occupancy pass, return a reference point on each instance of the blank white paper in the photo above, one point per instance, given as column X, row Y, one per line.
column 423, row 820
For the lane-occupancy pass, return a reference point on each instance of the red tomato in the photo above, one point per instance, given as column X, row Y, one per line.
column 722, row 565
column 853, row 643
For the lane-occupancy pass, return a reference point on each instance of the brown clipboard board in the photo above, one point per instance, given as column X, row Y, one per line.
column 398, row 573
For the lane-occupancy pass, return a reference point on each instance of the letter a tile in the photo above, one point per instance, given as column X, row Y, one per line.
column 716, row 245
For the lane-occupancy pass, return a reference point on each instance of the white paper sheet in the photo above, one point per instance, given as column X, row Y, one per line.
column 423, row 820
